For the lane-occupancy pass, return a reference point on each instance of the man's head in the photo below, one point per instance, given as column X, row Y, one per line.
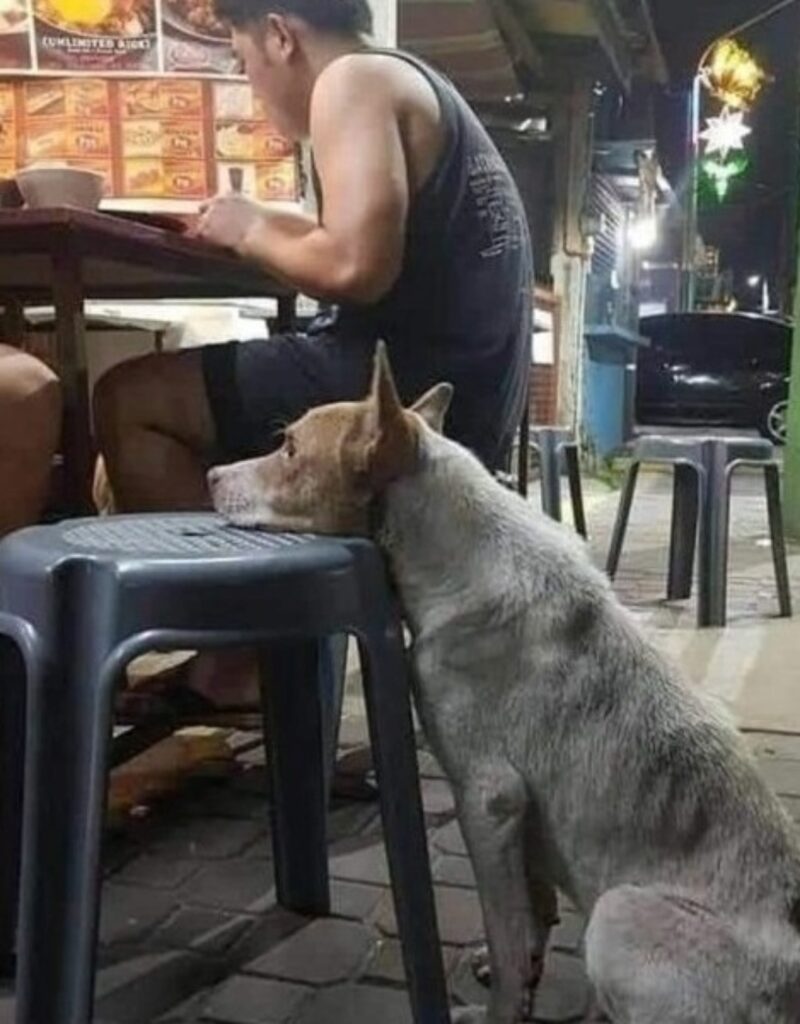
column 274, row 39
column 334, row 462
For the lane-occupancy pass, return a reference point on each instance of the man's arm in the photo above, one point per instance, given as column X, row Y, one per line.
column 356, row 252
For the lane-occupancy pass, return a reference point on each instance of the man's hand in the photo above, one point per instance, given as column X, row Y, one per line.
column 228, row 220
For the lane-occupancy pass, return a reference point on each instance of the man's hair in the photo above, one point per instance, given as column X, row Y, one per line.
column 348, row 17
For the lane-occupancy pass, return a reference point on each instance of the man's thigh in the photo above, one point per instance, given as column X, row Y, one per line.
column 257, row 388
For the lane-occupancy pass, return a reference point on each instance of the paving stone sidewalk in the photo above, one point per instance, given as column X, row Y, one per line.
column 190, row 931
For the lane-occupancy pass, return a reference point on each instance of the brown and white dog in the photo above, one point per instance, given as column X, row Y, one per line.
column 579, row 760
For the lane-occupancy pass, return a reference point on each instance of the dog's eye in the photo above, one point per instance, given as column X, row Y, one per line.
column 289, row 449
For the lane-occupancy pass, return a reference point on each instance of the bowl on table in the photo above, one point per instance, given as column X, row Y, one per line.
column 61, row 186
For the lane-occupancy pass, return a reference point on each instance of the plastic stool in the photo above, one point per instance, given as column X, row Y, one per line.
column 557, row 445
column 82, row 599
column 704, row 467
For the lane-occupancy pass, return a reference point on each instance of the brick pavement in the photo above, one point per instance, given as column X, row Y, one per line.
column 190, row 930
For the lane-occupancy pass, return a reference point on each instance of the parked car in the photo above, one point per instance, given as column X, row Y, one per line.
column 715, row 369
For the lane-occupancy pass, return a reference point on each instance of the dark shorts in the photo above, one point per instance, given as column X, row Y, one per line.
column 256, row 388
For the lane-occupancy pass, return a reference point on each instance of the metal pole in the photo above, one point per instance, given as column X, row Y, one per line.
column 791, row 461
column 690, row 219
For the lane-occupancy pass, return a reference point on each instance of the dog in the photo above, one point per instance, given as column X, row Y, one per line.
column 579, row 760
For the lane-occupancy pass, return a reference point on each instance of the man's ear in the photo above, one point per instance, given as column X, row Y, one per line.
column 433, row 406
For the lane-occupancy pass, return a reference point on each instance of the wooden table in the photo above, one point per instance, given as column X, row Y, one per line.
column 62, row 257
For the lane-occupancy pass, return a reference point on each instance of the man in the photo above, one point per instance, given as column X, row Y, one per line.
column 30, row 428
column 421, row 241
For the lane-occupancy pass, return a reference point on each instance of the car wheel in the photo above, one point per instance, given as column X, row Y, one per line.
column 774, row 424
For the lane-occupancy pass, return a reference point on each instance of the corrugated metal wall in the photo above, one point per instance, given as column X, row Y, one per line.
column 605, row 203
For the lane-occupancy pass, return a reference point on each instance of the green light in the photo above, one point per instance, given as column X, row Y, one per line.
column 721, row 173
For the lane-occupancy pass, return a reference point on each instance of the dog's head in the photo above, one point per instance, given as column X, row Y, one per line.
column 333, row 463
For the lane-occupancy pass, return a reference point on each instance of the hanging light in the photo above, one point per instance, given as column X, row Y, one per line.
column 725, row 133
column 732, row 74
column 722, row 173
column 643, row 233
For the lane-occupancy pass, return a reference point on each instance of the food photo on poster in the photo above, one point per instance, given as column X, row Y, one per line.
column 194, row 39
column 15, row 41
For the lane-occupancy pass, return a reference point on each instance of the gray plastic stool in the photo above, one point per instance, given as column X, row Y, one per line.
column 557, row 447
column 79, row 601
column 704, row 467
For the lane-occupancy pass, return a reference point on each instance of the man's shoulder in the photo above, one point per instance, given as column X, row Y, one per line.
column 379, row 72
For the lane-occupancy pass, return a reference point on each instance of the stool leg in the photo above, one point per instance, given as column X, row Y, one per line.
column 295, row 741
column 67, row 746
column 12, row 752
column 684, row 533
column 621, row 522
column 394, row 753
column 333, row 673
column 773, row 485
column 714, row 527
column 550, row 470
column 575, row 489
column 523, row 453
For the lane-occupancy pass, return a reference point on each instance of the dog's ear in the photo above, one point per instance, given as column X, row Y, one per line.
column 433, row 406
column 383, row 393
column 390, row 449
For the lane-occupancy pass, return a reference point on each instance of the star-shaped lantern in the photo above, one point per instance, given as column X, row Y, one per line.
column 725, row 133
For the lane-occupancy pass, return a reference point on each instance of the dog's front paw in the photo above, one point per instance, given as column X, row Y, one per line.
column 468, row 1015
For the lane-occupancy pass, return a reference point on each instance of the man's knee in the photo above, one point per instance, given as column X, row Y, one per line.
column 123, row 396
column 160, row 392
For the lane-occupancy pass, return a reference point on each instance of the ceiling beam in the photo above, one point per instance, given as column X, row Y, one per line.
column 516, row 37
column 611, row 31
column 657, row 61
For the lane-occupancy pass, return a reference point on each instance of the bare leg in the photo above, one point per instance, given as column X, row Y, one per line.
column 492, row 808
column 156, row 432
column 657, row 956
column 30, row 428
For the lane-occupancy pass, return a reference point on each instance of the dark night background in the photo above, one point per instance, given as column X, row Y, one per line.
column 755, row 226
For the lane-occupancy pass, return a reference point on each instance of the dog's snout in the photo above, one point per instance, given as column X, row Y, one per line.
column 214, row 476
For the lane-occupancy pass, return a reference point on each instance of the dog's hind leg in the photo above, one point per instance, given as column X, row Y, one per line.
column 657, row 956
column 492, row 806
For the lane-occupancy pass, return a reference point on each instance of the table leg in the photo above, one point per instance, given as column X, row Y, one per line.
column 12, row 327
column 70, row 333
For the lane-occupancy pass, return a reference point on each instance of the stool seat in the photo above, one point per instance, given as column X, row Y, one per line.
column 80, row 600
column 703, row 469
column 667, row 448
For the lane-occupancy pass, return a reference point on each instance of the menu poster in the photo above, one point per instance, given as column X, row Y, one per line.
column 158, row 138
column 96, row 35
column 8, row 134
column 113, row 37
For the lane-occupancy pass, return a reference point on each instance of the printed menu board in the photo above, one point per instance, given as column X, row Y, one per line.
column 151, row 137
column 114, row 37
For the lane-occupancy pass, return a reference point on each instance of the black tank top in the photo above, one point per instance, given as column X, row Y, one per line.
column 461, row 309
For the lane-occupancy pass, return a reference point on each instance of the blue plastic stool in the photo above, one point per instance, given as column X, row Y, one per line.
column 78, row 601
column 703, row 469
